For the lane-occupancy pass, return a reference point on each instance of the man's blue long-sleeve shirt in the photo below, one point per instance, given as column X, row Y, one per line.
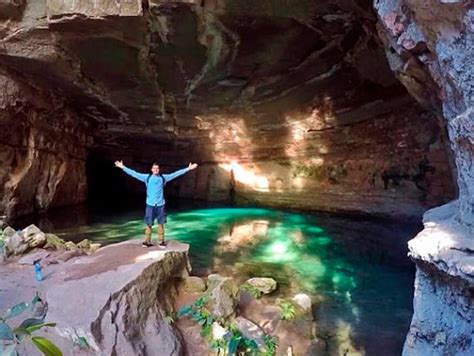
column 154, row 185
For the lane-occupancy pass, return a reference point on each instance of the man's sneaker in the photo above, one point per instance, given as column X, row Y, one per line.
column 162, row 244
column 147, row 244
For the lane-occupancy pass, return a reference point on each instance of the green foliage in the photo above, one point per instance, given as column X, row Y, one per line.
column 233, row 343
column 287, row 309
column 254, row 292
column 11, row 337
column 198, row 312
column 270, row 345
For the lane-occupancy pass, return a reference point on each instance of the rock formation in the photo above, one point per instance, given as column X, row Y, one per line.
column 279, row 101
column 430, row 46
column 116, row 299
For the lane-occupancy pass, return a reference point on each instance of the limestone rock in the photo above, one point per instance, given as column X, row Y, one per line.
column 193, row 284
column 53, row 242
column 251, row 330
column 20, row 242
column 264, row 285
column 67, row 255
column 94, row 247
column 222, row 296
column 32, row 257
column 284, row 109
column 71, row 246
column 116, row 299
column 33, row 236
column 303, row 301
column 218, row 331
column 84, row 244
column 443, row 313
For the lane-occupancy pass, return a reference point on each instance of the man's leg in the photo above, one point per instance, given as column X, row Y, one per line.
column 149, row 224
column 161, row 217
column 161, row 234
column 148, row 233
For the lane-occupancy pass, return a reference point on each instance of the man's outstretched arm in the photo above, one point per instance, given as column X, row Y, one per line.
column 140, row 176
column 171, row 176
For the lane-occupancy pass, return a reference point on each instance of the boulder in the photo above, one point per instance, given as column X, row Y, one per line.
column 84, row 244
column 94, row 247
column 264, row 285
column 33, row 236
column 221, row 296
column 53, row 242
column 251, row 330
column 218, row 331
column 303, row 301
column 193, row 284
column 116, row 299
column 20, row 242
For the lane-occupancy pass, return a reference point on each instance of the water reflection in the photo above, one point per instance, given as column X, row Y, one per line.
column 356, row 269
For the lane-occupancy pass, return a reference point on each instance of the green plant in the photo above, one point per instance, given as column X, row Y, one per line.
column 198, row 312
column 270, row 345
column 287, row 309
column 233, row 343
column 253, row 291
column 237, row 344
column 11, row 337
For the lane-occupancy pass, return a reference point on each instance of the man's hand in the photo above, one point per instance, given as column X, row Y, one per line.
column 192, row 166
column 119, row 164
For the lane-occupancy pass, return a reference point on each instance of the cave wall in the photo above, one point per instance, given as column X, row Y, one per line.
column 42, row 151
column 282, row 103
column 430, row 46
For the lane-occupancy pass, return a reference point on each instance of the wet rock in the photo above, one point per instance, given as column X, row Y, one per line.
column 222, row 296
column 264, row 285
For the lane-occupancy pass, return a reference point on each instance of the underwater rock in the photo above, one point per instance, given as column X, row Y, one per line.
column 263, row 284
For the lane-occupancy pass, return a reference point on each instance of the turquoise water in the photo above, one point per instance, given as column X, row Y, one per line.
column 356, row 269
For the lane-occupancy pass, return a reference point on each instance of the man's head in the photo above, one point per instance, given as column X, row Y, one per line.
column 155, row 168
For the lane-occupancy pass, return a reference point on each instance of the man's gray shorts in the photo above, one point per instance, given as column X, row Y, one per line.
column 155, row 212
